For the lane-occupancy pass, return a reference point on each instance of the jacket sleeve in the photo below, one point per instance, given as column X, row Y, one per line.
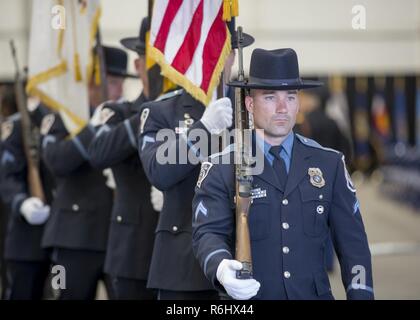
column 114, row 141
column 349, row 237
column 213, row 221
column 13, row 186
column 155, row 146
column 64, row 154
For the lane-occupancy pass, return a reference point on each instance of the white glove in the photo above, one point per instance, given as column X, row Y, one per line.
column 110, row 180
column 239, row 289
column 34, row 211
column 96, row 119
column 218, row 116
column 33, row 103
column 156, row 198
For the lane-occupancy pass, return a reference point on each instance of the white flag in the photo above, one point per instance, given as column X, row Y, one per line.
column 61, row 56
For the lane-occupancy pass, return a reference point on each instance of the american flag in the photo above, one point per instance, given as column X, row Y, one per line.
column 190, row 41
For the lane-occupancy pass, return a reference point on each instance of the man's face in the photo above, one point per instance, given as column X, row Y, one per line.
column 115, row 87
column 273, row 111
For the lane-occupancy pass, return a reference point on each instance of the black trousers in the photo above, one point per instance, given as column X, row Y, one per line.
column 131, row 289
column 188, row 295
column 83, row 270
column 26, row 280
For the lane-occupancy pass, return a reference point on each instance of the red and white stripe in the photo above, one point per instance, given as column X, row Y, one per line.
column 190, row 36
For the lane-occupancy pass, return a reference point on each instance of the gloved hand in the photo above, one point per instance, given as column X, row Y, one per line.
column 239, row 289
column 156, row 198
column 34, row 211
column 33, row 103
column 96, row 119
column 110, row 180
column 218, row 116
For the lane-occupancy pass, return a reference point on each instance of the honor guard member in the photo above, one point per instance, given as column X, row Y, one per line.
column 26, row 262
column 303, row 193
column 77, row 230
column 174, row 270
column 133, row 221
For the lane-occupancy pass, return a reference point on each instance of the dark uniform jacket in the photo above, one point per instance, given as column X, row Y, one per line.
column 81, row 209
column 23, row 240
column 173, row 266
column 288, row 225
column 133, row 221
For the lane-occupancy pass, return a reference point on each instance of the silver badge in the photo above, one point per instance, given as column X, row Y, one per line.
column 143, row 117
column 205, row 168
column 316, row 177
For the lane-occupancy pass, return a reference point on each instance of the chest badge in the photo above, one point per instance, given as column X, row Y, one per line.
column 316, row 178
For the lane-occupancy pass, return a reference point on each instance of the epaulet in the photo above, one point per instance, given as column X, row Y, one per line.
column 170, row 94
column 312, row 143
column 230, row 148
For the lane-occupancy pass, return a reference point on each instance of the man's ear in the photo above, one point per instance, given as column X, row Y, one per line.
column 249, row 103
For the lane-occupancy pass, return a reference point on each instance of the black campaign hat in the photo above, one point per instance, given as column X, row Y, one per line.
column 247, row 39
column 275, row 69
column 138, row 44
column 116, row 62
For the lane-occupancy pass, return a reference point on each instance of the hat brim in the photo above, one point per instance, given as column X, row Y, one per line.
column 119, row 73
column 278, row 85
column 247, row 40
column 134, row 44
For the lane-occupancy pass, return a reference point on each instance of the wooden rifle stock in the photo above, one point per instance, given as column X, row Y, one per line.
column 243, row 176
column 30, row 143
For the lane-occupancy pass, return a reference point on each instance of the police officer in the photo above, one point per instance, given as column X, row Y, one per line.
column 174, row 270
column 77, row 231
column 26, row 262
column 303, row 192
column 133, row 220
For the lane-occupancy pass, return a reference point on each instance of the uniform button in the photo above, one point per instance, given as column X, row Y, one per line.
column 75, row 207
column 174, row 228
column 287, row 274
column 285, row 225
column 285, row 202
column 320, row 209
column 321, row 197
column 119, row 218
column 286, row 250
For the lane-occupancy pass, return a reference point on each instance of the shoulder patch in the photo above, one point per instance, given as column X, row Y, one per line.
column 106, row 114
column 143, row 118
column 47, row 123
column 169, row 95
column 312, row 143
column 6, row 130
column 350, row 184
column 205, row 169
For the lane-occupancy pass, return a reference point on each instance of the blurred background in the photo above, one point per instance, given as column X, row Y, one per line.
column 367, row 52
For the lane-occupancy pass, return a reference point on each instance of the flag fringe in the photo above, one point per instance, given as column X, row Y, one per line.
column 180, row 79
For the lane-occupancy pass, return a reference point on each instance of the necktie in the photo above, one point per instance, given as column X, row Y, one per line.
column 279, row 165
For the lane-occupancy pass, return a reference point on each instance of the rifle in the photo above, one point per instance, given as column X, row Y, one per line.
column 242, row 174
column 30, row 143
column 102, row 68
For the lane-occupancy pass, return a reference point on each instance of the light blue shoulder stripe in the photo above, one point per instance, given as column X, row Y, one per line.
column 81, row 148
column 130, row 133
column 169, row 95
column 312, row 143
